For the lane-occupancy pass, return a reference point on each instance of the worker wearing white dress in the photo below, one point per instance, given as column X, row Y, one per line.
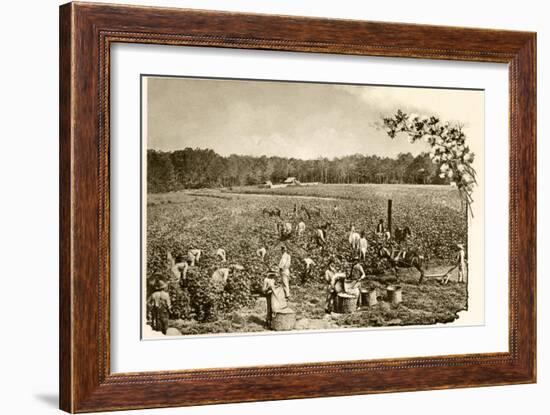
column 301, row 228
column 363, row 247
column 194, row 256
column 178, row 267
column 284, row 269
column 220, row 276
column 461, row 262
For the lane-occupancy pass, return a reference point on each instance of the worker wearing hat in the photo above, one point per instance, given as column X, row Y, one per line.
column 159, row 305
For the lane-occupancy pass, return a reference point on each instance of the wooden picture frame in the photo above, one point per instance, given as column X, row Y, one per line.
column 86, row 33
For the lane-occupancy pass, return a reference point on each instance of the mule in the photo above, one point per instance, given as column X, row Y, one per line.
column 412, row 259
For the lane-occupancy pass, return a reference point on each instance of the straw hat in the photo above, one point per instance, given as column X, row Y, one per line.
column 460, row 246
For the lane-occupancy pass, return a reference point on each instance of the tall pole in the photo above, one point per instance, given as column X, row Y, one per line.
column 389, row 215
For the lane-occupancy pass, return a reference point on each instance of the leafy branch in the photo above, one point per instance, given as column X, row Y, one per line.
column 448, row 148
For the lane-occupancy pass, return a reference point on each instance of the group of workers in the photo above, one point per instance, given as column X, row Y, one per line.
column 340, row 276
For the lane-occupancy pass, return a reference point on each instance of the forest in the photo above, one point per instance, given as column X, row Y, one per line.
column 193, row 168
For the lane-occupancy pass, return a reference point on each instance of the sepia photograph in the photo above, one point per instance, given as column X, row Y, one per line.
column 287, row 206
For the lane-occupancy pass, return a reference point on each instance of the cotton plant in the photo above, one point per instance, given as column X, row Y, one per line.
column 448, row 148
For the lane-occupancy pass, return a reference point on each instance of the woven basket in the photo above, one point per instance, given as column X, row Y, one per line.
column 346, row 303
column 369, row 298
column 394, row 293
column 284, row 319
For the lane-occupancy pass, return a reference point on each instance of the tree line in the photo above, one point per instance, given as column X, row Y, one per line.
column 193, row 168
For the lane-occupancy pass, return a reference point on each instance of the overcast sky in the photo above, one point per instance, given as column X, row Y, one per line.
column 301, row 120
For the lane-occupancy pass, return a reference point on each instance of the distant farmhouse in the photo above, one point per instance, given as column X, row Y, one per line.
column 292, row 181
column 289, row 181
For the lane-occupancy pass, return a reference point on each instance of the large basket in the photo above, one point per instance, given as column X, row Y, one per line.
column 346, row 303
column 394, row 294
column 284, row 319
column 369, row 297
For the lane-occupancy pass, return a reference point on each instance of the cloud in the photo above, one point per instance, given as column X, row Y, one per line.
column 302, row 120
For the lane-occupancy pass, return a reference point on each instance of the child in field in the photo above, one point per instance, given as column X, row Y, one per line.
column 159, row 305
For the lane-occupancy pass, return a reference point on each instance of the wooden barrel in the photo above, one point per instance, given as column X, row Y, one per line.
column 395, row 295
column 346, row 303
column 369, row 297
column 284, row 319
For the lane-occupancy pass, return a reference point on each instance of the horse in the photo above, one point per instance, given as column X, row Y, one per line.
column 412, row 259
column 401, row 234
column 273, row 211
column 311, row 211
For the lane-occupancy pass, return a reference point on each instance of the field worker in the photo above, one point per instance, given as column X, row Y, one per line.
column 357, row 272
column 284, row 229
column 380, row 229
column 301, row 228
column 179, row 267
column 363, row 246
column 220, row 276
column 220, row 253
column 261, row 253
column 320, row 237
column 159, row 304
column 331, row 278
column 287, row 228
column 194, row 256
column 308, row 270
column 354, row 238
column 461, row 262
column 335, row 210
column 274, row 294
column 284, row 269
column 350, row 284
